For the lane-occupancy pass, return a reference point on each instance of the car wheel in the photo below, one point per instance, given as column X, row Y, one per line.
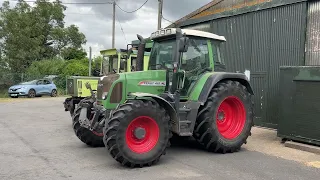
column 54, row 93
column 32, row 93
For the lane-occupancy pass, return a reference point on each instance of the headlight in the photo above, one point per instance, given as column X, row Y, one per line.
column 104, row 95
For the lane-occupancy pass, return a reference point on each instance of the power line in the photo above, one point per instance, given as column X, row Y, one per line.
column 124, row 35
column 133, row 10
column 72, row 2
column 167, row 20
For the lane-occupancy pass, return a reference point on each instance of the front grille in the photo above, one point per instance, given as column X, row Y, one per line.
column 105, row 84
column 116, row 95
column 70, row 86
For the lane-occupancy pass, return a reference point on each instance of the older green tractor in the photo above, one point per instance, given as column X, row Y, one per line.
column 185, row 92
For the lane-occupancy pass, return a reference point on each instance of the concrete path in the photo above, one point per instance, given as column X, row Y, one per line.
column 37, row 142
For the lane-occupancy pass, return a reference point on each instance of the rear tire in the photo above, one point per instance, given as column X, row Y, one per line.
column 54, row 93
column 224, row 122
column 93, row 139
column 124, row 145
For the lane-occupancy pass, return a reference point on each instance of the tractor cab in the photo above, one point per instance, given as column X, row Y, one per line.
column 187, row 53
column 113, row 61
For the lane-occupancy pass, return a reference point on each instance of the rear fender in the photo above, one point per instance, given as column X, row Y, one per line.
column 219, row 77
column 164, row 103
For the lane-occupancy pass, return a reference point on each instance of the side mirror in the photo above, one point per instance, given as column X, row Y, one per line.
column 183, row 44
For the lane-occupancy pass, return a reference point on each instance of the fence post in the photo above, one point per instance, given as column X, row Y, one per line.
column 66, row 86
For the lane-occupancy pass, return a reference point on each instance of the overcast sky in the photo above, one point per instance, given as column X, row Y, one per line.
column 95, row 21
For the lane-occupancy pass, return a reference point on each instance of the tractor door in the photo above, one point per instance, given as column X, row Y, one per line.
column 218, row 59
column 193, row 63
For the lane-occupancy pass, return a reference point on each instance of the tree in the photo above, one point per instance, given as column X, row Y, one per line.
column 76, row 67
column 46, row 67
column 33, row 33
column 73, row 53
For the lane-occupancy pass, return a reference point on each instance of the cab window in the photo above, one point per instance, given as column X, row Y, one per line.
column 216, row 50
column 197, row 57
column 162, row 54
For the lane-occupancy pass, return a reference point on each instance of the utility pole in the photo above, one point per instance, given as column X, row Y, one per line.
column 160, row 13
column 90, row 60
column 113, row 22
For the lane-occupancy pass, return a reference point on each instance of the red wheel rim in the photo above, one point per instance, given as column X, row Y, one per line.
column 148, row 140
column 231, row 117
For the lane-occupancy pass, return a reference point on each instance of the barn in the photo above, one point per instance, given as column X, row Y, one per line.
column 262, row 35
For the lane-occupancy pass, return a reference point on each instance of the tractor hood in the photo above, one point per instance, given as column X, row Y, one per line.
column 113, row 89
column 153, row 82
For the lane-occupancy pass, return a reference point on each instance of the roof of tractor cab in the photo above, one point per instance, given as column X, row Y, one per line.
column 191, row 32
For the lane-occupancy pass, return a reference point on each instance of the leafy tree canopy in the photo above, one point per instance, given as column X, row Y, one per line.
column 30, row 34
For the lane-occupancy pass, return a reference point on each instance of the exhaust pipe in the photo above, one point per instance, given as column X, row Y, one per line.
column 140, row 55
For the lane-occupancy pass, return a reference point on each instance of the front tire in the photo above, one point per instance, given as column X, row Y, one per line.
column 224, row 122
column 32, row 93
column 137, row 133
column 93, row 139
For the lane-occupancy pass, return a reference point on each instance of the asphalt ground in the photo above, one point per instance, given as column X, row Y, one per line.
column 37, row 142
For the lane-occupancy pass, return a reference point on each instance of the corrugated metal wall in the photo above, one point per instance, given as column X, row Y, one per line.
column 262, row 41
column 313, row 34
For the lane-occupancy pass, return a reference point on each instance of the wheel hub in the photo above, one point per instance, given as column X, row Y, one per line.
column 139, row 133
column 221, row 116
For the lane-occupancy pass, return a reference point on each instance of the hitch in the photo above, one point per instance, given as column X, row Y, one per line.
column 83, row 120
column 91, row 124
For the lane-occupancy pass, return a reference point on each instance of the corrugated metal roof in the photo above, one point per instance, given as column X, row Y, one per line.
column 224, row 8
column 203, row 8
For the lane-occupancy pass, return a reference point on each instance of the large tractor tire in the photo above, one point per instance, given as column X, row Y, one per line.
column 91, row 138
column 137, row 133
column 224, row 122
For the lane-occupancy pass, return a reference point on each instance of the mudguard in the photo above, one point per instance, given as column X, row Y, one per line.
column 170, row 109
column 220, row 76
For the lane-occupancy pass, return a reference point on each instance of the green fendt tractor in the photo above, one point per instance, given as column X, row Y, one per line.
column 185, row 91
column 89, row 112
column 114, row 61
